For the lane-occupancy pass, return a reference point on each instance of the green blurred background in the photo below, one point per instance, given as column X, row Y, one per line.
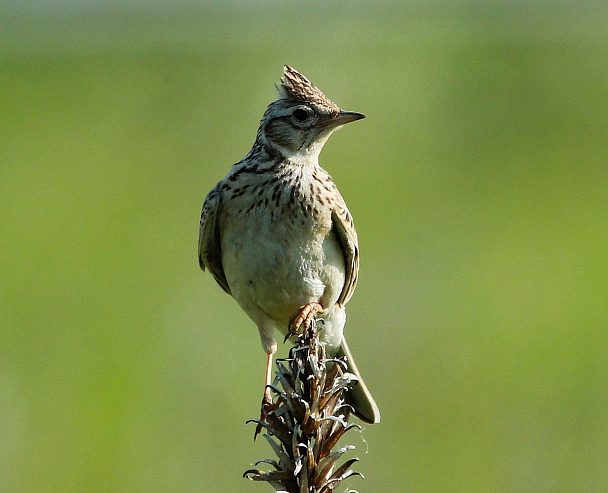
column 479, row 185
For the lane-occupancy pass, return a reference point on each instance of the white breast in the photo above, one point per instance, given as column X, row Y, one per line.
column 274, row 263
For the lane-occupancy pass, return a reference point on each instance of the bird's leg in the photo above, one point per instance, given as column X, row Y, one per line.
column 303, row 317
column 267, row 400
column 267, row 404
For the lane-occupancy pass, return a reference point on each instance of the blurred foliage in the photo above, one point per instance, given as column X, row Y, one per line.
column 479, row 185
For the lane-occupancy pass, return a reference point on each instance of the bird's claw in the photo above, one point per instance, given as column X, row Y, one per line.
column 303, row 318
column 268, row 406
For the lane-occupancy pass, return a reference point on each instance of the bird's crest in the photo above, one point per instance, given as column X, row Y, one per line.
column 297, row 87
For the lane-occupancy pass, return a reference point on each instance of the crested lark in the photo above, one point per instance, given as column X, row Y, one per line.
column 277, row 236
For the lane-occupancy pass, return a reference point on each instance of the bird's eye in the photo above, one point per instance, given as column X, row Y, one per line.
column 301, row 114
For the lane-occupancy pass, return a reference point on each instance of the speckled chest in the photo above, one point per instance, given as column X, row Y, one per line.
column 284, row 201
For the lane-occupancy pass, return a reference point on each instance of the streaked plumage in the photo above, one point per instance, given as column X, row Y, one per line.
column 276, row 234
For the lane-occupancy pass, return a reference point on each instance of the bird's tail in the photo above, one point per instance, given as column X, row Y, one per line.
column 359, row 397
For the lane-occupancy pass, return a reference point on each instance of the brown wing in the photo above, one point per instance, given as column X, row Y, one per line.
column 209, row 244
column 347, row 235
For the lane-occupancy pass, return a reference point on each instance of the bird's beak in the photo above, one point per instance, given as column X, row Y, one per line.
column 340, row 119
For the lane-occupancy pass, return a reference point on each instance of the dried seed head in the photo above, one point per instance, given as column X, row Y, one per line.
column 311, row 416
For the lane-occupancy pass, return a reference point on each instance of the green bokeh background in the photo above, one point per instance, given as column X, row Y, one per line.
column 479, row 186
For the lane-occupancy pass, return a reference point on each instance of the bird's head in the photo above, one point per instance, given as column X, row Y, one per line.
column 303, row 118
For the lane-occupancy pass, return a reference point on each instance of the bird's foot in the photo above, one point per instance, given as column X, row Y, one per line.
column 268, row 406
column 303, row 318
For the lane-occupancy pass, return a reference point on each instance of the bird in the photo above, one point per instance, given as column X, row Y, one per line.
column 277, row 235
